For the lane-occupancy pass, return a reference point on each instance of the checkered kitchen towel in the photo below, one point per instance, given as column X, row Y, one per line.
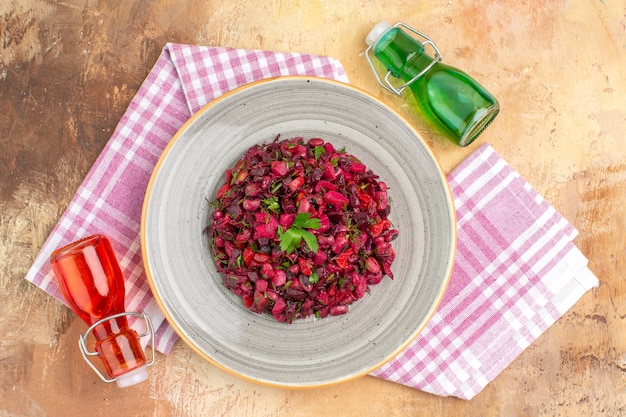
column 110, row 199
column 516, row 270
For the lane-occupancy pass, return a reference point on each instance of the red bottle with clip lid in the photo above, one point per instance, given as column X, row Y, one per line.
column 93, row 286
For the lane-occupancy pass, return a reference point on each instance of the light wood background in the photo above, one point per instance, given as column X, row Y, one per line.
column 69, row 68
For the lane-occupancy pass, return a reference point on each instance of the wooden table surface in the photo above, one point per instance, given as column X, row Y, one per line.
column 69, row 68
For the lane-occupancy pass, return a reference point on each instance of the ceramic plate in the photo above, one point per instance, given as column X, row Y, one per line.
column 310, row 352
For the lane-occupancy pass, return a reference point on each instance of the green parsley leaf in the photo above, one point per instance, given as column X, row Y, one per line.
column 304, row 220
column 291, row 238
column 310, row 240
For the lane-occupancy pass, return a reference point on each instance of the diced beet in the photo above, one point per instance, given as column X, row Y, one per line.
column 320, row 258
column 252, row 190
column 267, row 269
column 324, row 224
column 272, row 295
column 294, row 269
column 373, row 279
column 336, row 199
column 279, row 278
column 330, row 172
column 248, row 300
column 357, row 167
column 261, row 257
column 279, row 307
column 296, row 183
column 305, row 266
column 267, row 227
column 343, row 259
column 222, row 191
column 387, row 268
column 323, row 185
column 285, row 220
column 261, row 285
column 244, row 236
column 295, row 294
column 279, row 168
column 259, row 302
column 325, row 240
column 307, row 308
column 305, row 206
column 299, row 151
column 234, row 211
column 265, row 182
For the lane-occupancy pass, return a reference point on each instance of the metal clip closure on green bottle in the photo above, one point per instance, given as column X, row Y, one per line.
column 447, row 97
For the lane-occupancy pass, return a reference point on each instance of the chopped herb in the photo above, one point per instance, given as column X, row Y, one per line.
column 271, row 203
column 318, row 151
column 275, row 187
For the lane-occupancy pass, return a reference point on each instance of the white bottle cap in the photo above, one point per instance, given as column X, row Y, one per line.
column 376, row 32
column 133, row 377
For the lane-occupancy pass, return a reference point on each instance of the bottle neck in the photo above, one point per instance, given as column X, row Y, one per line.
column 111, row 327
column 401, row 54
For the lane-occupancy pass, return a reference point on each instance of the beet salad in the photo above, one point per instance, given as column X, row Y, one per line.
column 300, row 228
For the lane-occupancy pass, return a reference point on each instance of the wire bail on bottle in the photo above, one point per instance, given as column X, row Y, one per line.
column 86, row 353
column 385, row 82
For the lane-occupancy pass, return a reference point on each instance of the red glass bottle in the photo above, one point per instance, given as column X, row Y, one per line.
column 93, row 286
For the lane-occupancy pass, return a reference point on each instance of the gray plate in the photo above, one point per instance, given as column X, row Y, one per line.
column 309, row 352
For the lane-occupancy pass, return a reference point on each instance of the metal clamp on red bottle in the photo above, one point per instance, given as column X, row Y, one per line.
column 131, row 377
column 91, row 281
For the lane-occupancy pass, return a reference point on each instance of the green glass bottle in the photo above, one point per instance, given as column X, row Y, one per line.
column 447, row 97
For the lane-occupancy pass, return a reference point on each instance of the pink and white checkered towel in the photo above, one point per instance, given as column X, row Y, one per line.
column 516, row 270
column 110, row 199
